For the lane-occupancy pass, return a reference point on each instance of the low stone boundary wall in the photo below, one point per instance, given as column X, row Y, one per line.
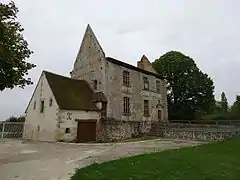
column 196, row 131
column 114, row 130
column 206, row 134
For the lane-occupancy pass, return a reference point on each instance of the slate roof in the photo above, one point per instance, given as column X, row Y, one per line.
column 71, row 94
column 129, row 66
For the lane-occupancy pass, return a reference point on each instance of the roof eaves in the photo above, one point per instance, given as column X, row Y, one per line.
column 115, row 61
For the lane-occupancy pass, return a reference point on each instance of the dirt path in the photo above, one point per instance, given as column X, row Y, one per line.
column 58, row 161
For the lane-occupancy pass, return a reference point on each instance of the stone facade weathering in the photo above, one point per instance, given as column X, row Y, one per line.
column 93, row 66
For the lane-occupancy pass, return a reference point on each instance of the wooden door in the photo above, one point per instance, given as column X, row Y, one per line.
column 86, row 131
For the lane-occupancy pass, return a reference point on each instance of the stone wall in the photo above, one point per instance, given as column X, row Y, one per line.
column 116, row 92
column 113, row 130
column 92, row 65
column 195, row 132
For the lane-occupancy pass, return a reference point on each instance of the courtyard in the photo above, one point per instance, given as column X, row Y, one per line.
column 58, row 161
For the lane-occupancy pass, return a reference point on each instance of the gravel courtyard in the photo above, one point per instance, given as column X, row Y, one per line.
column 58, row 161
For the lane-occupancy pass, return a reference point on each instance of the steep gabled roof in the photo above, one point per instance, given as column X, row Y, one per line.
column 71, row 94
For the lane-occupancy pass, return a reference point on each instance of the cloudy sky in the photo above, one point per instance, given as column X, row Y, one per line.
column 206, row 30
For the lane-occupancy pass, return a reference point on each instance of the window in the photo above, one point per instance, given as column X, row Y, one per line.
column 145, row 83
column 126, row 81
column 159, row 115
column 50, row 102
column 126, row 106
column 42, row 107
column 34, row 105
column 146, row 108
column 104, row 109
column 67, row 130
column 158, row 86
column 95, row 84
column 38, row 128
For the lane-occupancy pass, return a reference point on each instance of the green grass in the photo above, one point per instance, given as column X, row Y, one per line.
column 216, row 161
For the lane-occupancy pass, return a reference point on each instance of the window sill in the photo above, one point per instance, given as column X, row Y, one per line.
column 128, row 86
column 146, row 115
column 126, row 114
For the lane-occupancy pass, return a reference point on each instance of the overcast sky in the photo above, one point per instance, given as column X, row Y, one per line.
column 206, row 30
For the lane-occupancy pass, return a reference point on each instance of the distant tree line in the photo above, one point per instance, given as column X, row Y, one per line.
column 190, row 91
column 16, row 119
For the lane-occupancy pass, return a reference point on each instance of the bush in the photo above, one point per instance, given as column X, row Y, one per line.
column 216, row 116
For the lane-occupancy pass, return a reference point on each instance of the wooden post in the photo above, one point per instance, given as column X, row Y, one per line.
column 3, row 126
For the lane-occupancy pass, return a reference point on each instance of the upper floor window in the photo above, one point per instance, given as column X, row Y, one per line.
column 126, row 81
column 50, row 102
column 95, row 84
column 34, row 105
column 145, row 83
column 126, row 106
column 159, row 115
column 146, row 108
column 42, row 107
column 158, row 86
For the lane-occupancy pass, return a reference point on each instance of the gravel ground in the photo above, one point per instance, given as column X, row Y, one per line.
column 57, row 161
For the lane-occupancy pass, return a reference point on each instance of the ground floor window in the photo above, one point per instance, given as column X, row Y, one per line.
column 126, row 106
column 146, row 108
column 159, row 115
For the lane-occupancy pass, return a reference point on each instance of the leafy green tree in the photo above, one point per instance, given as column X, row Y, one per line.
column 235, row 109
column 14, row 49
column 190, row 91
column 16, row 119
column 224, row 102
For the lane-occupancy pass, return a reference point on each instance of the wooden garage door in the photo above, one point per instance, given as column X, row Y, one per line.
column 86, row 131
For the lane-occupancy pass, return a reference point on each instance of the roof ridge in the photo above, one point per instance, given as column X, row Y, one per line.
column 116, row 61
column 44, row 71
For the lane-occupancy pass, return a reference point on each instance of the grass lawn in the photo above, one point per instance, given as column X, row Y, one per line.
column 216, row 161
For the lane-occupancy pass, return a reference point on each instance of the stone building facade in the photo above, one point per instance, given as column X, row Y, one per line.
column 104, row 99
column 132, row 93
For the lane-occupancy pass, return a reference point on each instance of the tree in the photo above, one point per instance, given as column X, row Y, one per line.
column 14, row 49
column 15, row 119
column 224, row 102
column 235, row 109
column 190, row 91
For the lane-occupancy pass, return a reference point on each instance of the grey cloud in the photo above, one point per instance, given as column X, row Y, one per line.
column 208, row 31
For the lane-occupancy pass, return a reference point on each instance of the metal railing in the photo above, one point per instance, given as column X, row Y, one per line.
column 11, row 130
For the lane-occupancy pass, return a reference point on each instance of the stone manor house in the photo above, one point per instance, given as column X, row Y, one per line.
column 100, row 87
